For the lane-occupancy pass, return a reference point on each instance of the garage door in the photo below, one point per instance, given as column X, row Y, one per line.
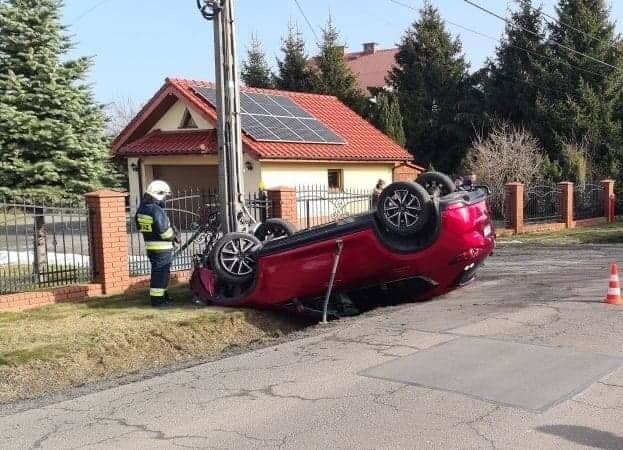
column 181, row 178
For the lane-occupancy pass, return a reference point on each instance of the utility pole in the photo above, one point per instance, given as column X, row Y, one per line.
column 231, row 181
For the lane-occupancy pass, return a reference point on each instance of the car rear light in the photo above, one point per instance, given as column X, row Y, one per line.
column 487, row 230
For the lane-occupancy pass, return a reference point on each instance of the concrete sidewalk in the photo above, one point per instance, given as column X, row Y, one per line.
column 386, row 380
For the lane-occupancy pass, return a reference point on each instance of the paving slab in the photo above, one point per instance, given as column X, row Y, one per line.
column 530, row 377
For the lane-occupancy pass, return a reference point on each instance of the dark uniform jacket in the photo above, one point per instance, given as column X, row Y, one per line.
column 154, row 225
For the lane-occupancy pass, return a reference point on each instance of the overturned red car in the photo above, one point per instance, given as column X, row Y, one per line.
column 422, row 240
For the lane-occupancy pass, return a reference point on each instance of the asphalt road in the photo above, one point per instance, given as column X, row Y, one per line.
column 527, row 357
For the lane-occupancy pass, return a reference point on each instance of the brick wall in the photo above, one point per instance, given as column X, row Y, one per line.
column 405, row 172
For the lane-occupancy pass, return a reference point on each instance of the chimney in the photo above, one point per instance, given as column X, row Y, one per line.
column 369, row 48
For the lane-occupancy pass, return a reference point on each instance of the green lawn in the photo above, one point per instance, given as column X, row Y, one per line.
column 602, row 234
column 59, row 346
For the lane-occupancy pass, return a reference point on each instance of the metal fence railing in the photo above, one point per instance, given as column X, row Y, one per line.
column 588, row 201
column 43, row 245
column 186, row 210
column 496, row 205
column 317, row 205
column 541, row 203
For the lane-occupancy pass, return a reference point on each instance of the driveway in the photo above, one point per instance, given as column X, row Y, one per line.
column 526, row 357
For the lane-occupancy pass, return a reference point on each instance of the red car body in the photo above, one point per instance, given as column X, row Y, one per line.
column 445, row 256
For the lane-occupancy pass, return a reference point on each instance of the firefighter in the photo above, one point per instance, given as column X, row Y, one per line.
column 159, row 237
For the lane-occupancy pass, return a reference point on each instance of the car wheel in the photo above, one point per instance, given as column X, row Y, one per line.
column 404, row 208
column 436, row 183
column 272, row 229
column 234, row 257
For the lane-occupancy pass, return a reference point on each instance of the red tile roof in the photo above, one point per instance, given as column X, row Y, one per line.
column 371, row 68
column 363, row 141
column 172, row 143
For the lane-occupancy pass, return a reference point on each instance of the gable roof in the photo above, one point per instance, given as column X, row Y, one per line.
column 363, row 141
column 371, row 68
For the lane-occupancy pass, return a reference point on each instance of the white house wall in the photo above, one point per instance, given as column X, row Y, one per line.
column 252, row 176
column 365, row 176
column 172, row 119
column 356, row 176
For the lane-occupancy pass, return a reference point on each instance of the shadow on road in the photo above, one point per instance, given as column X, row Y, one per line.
column 585, row 436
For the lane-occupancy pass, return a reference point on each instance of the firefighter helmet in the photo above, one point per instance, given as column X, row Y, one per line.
column 158, row 190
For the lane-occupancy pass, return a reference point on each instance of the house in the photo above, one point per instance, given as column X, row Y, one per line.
column 371, row 65
column 289, row 139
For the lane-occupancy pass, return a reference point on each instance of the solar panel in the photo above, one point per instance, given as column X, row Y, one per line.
column 276, row 118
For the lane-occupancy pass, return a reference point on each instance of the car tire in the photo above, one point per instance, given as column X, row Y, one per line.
column 272, row 229
column 436, row 183
column 404, row 208
column 234, row 258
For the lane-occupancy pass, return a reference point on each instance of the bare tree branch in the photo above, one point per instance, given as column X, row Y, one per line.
column 119, row 113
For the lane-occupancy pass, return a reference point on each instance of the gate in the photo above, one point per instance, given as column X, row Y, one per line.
column 542, row 204
column 588, row 201
column 186, row 211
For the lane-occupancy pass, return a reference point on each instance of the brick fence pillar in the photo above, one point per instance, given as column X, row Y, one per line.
column 609, row 199
column 283, row 202
column 565, row 196
column 514, row 206
column 109, row 240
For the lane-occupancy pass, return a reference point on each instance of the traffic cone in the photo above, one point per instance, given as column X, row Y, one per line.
column 614, row 289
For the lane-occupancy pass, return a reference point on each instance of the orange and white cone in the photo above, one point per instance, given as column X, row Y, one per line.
column 614, row 288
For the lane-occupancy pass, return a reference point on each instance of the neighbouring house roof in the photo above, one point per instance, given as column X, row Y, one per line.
column 371, row 68
column 172, row 143
column 363, row 141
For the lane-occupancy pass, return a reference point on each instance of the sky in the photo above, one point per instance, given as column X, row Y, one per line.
column 138, row 43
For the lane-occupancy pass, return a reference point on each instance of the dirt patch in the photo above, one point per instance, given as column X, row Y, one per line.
column 62, row 346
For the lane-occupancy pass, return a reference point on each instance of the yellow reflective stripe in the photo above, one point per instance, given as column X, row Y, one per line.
column 142, row 218
column 157, row 292
column 167, row 234
column 161, row 245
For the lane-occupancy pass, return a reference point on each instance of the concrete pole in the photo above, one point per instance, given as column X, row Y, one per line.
column 231, row 182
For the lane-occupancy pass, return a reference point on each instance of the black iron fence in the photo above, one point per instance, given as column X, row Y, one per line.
column 317, row 205
column 186, row 210
column 541, row 203
column 496, row 204
column 588, row 201
column 43, row 245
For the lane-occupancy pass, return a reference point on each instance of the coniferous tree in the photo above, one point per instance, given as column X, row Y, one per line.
column 255, row 71
column 333, row 75
column 435, row 91
column 584, row 100
column 294, row 73
column 512, row 83
column 386, row 116
column 52, row 139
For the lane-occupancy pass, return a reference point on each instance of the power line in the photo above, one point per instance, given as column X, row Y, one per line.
column 311, row 27
column 571, row 27
column 519, row 27
column 493, row 38
column 89, row 11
